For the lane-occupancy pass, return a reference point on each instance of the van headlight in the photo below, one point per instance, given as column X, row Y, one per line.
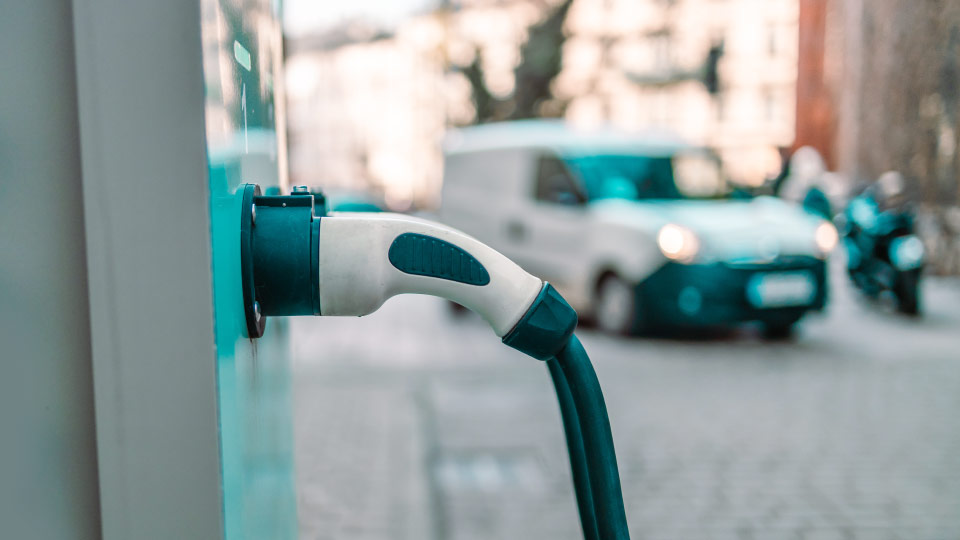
column 678, row 243
column 826, row 237
column 906, row 252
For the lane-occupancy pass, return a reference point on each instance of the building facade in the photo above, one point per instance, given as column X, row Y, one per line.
column 881, row 91
column 369, row 111
column 641, row 63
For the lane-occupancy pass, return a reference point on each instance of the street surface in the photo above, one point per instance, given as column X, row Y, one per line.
column 415, row 424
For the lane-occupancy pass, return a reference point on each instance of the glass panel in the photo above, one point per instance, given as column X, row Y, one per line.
column 242, row 61
column 638, row 177
column 625, row 176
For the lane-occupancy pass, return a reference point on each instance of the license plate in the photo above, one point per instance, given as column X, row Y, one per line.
column 782, row 289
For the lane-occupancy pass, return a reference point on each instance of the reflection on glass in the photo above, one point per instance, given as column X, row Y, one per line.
column 244, row 124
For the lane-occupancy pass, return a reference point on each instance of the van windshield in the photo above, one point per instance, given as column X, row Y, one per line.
column 633, row 177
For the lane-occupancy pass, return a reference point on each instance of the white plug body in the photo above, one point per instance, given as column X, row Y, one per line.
column 356, row 274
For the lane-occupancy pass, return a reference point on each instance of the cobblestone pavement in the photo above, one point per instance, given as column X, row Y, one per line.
column 413, row 424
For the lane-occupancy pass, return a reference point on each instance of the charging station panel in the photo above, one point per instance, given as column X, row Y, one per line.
column 242, row 64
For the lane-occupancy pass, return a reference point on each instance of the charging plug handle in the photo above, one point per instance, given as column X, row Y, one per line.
column 367, row 258
column 294, row 262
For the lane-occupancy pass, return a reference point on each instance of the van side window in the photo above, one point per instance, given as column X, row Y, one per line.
column 555, row 185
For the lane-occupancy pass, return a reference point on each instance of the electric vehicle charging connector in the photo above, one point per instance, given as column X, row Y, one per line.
column 294, row 262
column 367, row 258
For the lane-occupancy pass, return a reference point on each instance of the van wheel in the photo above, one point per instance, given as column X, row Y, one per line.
column 780, row 329
column 615, row 306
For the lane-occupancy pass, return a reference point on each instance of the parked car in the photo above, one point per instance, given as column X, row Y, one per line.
column 884, row 254
column 635, row 231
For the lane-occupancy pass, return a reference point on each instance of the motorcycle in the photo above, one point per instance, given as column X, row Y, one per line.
column 884, row 255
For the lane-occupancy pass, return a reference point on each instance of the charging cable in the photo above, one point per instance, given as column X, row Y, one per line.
column 294, row 262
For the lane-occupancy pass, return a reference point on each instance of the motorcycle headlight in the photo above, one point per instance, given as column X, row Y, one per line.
column 826, row 237
column 678, row 243
column 906, row 252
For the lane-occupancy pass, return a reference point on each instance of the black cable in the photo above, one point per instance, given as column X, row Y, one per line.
column 578, row 460
column 600, row 457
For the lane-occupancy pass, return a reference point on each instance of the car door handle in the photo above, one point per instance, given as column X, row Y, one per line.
column 516, row 231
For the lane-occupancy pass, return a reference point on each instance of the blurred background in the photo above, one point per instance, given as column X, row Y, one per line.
column 415, row 423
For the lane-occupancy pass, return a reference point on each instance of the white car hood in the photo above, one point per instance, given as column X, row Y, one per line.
column 757, row 229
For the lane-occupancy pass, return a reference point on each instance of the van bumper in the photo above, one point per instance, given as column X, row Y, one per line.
column 718, row 294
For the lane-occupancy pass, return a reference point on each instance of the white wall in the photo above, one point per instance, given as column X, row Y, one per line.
column 48, row 464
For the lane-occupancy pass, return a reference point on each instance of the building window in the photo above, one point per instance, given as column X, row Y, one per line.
column 773, row 40
column 769, row 105
column 662, row 52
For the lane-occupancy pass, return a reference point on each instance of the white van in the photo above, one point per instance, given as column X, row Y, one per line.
column 634, row 231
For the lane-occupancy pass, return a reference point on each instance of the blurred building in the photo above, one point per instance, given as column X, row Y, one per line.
column 642, row 63
column 367, row 110
column 881, row 91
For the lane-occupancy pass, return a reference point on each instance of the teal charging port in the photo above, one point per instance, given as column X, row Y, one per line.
column 278, row 256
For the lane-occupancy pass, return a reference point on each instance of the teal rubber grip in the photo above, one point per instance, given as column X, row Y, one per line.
column 424, row 255
column 545, row 328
